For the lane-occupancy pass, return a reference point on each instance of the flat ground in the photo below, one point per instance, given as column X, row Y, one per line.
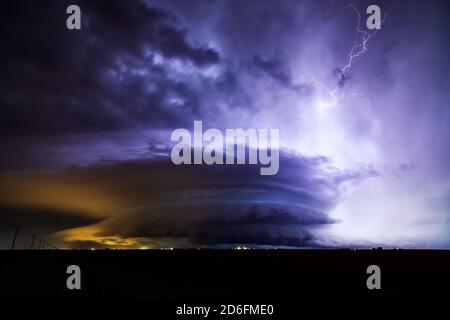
column 225, row 276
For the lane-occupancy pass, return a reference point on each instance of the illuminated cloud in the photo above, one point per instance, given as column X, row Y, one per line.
column 112, row 93
column 136, row 201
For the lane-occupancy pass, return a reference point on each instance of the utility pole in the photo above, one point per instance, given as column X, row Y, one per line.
column 15, row 235
column 40, row 243
column 32, row 242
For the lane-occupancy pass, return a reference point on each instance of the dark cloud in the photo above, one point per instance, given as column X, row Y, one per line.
column 233, row 204
column 69, row 99
column 273, row 68
column 278, row 71
column 263, row 224
column 44, row 220
column 102, row 77
column 200, row 204
column 39, row 221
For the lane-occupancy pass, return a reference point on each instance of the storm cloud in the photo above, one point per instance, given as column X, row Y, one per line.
column 198, row 204
column 104, row 77
column 86, row 119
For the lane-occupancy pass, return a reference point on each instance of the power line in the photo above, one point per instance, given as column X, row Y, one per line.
column 43, row 243
column 15, row 236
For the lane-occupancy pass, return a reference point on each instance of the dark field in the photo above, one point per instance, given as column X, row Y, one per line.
column 226, row 276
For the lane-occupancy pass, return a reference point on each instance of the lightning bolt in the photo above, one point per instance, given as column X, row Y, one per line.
column 361, row 39
column 359, row 47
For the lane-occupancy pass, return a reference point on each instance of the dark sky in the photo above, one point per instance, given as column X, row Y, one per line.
column 86, row 117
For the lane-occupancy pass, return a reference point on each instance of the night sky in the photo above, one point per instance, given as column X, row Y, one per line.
column 86, row 119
